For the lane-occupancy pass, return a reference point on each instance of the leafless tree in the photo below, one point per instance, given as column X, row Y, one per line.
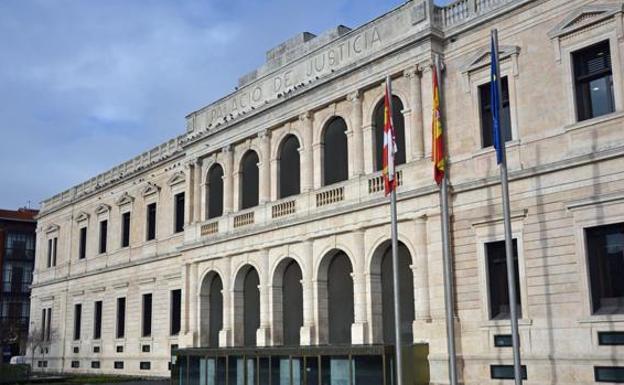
column 38, row 341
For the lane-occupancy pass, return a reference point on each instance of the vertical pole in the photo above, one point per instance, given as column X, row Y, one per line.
column 395, row 258
column 511, row 275
column 446, row 250
column 397, row 292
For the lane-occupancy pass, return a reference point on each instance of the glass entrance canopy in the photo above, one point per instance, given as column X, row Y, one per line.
column 301, row 365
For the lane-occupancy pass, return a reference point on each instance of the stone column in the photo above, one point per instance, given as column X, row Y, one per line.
column 307, row 164
column 197, row 181
column 368, row 148
column 358, row 141
column 420, row 270
column 263, row 333
column 415, row 116
column 189, row 167
column 360, row 325
column 185, row 298
column 228, row 179
column 306, row 334
column 265, row 167
column 192, row 301
column 226, row 332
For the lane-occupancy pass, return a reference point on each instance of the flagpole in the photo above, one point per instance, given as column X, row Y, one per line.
column 509, row 254
column 448, row 270
column 395, row 261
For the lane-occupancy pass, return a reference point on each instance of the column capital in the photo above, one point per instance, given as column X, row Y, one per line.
column 413, row 71
column 226, row 149
column 264, row 134
column 305, row 116
column 355, row 96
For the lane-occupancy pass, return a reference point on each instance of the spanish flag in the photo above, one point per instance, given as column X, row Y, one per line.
column 437, row 147
column 389, row 143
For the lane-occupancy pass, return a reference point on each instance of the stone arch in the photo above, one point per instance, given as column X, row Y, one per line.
column 279, row 137
column 214, row 190
column 382, row 289
column 377, row 94
column 249, row 181
column 334, row 287
column 377, row 122
column 334, row 151
column 210, row 309
column 287, row 293
column 289, row 167
column 246, row 305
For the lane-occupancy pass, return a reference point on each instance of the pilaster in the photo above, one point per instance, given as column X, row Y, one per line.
column 307, row 170
column 263, row 333
column 415, row 137
column 265, row 167
column 357, row 152
column 359, row 329
column 228, row 179
column 196, row 197
column 306, row 334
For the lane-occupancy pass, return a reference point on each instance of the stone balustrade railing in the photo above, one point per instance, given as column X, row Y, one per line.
column 462, row 10
column 328, row 198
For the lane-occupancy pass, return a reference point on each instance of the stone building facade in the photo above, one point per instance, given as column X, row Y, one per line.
column 267, row 216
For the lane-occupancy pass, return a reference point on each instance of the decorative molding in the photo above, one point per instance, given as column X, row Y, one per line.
column 146, row 281
column 102, row 209
column 97, row 289
column 52, row 228
column 177, row 178
column 77, row 293
column 125, row 199
column 150, row 189
column 584, row 18
column 120, row 285
column 613, row 198
column 82, row 216
column 481, row 58
column 489, row 220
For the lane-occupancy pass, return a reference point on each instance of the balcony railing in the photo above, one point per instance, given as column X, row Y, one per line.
column 244, row 219
column 283, row 208
column 462, row 10
column 354, row 190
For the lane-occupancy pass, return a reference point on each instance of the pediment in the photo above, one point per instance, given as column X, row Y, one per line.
column 125, row 199
column 585, row 16
column 481, row 58
column 82, row 216
column 176, row 178
column 102, row 209
column 52, row 228
column 150, row 189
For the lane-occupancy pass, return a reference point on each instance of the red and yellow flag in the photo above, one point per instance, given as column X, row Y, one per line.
column 389, row 144
column 437, row 147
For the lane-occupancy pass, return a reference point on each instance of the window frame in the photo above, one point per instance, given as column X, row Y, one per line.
column 145, row 321
column 123, row 228
column 491, row 229
column 176, row 211
column 103, row 236
column 82, row 243
column 147, row 221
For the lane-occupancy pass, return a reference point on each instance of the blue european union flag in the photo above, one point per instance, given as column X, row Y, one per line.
column 495, row 103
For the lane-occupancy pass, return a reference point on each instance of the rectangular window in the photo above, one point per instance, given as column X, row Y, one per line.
column 95, row 364
column 125, row 229
column 82, row 246
column 593, row 81
column 611, row 338
column 497, row 280
column 119, row 364
column 505, row 372
column 485, row 103
column 179, row 212
column 76, row 349
column 49, row 252
column 612, row 374
column 605, row 248
column 503, row 341
column 121, row 317
column 103, row 236
column 43, row 323
column 97, row 320
column 96, row 349
column 145, row 365
column 147, row 315
column 77, row 320
column 151, row 221
column 49, row 326
column 75, row 364
column 119, row 348
column 176, row 304
column 54, row 249
column 145, row 348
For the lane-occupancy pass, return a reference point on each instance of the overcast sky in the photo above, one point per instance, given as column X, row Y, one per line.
column 86, row 85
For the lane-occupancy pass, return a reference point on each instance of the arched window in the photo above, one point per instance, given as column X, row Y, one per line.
column 406, row 282
column 211, row 310
column 289, row 167
column 399, row 131
column 335, row 152
column 215, row 191
column 251, row 307
column 292, row 303
column 249, row 180
column 340, row 299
